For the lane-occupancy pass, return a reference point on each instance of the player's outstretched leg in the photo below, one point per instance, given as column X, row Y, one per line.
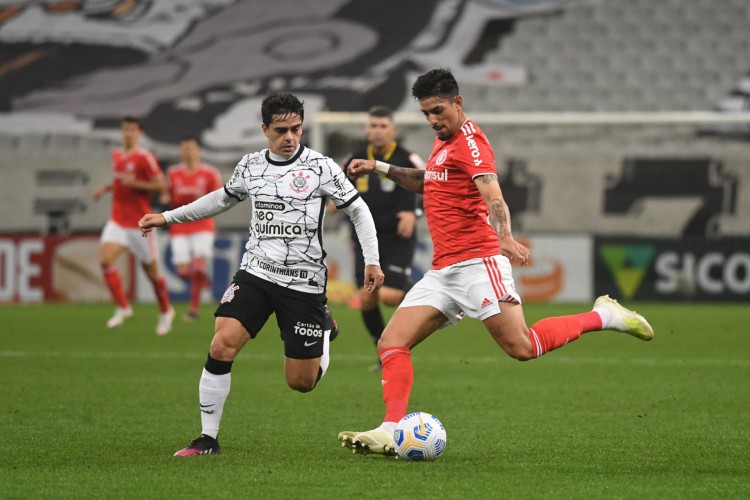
column 623, row 319
column 202, row 445
column 378, row 441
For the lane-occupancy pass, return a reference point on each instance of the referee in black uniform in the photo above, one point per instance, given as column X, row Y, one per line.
column 395, row 211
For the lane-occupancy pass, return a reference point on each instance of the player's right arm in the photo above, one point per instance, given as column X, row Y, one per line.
column 210, row 205
column 411, row 179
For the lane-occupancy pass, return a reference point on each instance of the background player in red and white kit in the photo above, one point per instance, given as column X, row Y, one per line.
column 192, row 242
column 471, row 273
column 137, row 177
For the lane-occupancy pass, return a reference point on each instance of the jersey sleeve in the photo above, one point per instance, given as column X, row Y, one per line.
column 149, row 167
column 475, row 155
column 334, row 183
column 417, row 161
column 235, row 187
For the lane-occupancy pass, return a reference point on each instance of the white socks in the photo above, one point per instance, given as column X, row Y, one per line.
column 325, row 359
column 605, row 315
column 388, row 427
column 213, row 391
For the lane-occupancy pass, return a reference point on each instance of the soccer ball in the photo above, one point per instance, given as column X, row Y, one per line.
column 420, row 436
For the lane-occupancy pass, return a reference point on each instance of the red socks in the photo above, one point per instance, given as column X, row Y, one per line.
column 398, row 377
column 550, row 333
column 162, row 294
column 546, row 335
column 198, row 283
column 114, row 283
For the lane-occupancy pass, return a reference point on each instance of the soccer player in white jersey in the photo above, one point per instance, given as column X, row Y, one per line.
column 471, row 272
column 283, row 270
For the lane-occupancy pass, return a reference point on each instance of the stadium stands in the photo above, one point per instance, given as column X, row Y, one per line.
column 626, row 56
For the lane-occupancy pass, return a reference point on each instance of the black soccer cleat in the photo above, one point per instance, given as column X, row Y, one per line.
column 331, row 324
column 202, row 445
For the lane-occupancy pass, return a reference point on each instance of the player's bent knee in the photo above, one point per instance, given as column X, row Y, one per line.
column 224, row 348
column 387, row 341
column 301, row 384
column 520, row 353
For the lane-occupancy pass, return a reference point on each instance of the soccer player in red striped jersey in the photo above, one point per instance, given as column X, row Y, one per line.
column 137, row 177
column 193, row 242
column 471, row 276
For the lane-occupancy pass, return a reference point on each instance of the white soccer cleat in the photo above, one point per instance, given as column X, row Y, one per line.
column 119, row 317
column 377, row 441
column 164, row 325
column 625, row 320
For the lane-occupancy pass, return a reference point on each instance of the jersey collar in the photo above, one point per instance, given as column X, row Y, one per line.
column 285, row 162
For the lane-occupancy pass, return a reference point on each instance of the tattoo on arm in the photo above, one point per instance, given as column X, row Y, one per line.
column 411, row 179
column 501, row 217
column 499, row 213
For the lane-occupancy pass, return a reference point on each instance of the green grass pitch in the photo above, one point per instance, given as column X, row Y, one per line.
column 88, row 412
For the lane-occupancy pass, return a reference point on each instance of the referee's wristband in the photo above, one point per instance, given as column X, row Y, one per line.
column 382, row 167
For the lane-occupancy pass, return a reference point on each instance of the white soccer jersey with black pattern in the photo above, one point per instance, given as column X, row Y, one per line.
column 288, row 203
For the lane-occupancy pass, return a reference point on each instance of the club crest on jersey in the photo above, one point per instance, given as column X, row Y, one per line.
column 299, row 182
column 441, row 157
column 229, row 293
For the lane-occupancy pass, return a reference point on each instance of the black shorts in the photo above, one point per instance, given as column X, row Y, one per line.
column 300, row 316
column 396, row 256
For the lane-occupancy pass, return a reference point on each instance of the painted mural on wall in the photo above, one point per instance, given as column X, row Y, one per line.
column 202, row 66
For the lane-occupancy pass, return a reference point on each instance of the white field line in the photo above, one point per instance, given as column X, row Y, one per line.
column 249, row 355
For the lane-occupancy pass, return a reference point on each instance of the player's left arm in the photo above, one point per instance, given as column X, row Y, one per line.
column 489, row 188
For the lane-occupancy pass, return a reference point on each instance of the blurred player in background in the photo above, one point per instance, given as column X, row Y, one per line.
column 471, row 275
column 283, row 270
column 395, row 211
column 137, row 177
column 193, row 242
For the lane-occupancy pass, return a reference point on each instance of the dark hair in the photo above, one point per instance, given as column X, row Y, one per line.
column 133, row 119
column 281, row 104
column 381, row 112
column 190, row 137
column 436, row 82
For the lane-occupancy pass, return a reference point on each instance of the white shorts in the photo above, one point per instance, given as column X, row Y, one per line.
column 143, row 249
column 473, row 288
column 186, row 247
